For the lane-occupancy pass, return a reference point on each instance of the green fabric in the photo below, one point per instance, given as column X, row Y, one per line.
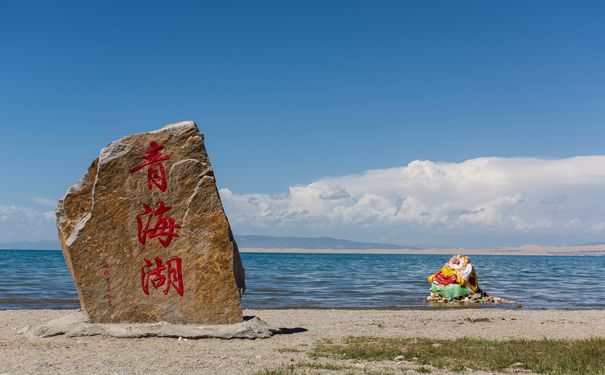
column 451, row 291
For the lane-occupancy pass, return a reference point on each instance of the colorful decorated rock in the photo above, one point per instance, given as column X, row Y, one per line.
column 145, row 235
column 457, row 278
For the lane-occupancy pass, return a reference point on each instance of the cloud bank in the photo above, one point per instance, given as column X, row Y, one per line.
column 19, row 223
column 479, row 202
column 488, row 201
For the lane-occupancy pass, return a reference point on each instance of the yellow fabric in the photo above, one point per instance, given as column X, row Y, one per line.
column 446, row 271
column 464, row 260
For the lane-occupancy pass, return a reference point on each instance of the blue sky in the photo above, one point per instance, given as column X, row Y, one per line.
column 288, row 93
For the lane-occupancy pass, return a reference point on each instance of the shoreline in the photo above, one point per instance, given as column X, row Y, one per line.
column 306, row 327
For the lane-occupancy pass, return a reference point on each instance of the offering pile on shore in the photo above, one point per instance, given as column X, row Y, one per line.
column 457, row 282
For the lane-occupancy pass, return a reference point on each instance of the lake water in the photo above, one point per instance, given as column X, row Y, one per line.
column 41, row 280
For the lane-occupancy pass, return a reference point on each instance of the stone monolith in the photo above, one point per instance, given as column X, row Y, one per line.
column 146, row 237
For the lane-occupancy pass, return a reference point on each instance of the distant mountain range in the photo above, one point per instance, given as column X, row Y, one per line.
column 269, row 242
column 245, row 241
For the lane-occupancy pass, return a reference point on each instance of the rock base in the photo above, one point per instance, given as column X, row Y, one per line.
column 77, row 324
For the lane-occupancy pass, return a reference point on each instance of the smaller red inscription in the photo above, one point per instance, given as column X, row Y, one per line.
column 165, row 227
column 155, row 173
column 106, row 274
column 169, row 275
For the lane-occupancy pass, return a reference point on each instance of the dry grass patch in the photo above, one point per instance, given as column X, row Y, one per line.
column 302, row 368
column 288, row 350
column 540, row 356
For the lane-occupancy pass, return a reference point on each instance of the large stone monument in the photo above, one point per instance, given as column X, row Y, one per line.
column 145, row 235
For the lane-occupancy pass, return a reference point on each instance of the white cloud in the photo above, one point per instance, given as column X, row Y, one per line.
column 479, row 202
column 19, row 223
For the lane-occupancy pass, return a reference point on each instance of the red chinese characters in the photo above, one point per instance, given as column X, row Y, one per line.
column 169, row 275
column 165, row 227
column 154, row 222
column 154, row 162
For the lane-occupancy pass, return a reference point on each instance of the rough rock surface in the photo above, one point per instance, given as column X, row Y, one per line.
column 78, row 325
column 145, row 235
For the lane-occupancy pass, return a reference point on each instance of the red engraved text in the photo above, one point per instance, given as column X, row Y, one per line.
column 154, row 222
column 155, row 167
column 168, row 275
column 165, row 228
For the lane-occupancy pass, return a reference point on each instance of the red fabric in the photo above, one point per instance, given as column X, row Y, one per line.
column 445, row 280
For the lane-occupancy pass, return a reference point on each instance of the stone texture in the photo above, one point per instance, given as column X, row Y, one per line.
column 101, row 238
column 77, row 324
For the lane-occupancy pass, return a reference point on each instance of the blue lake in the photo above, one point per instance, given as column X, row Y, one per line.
column 40, row 279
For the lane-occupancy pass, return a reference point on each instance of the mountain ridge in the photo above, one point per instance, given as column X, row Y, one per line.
column 311, row 243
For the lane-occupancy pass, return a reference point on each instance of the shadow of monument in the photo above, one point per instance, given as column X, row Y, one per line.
column 290, row 331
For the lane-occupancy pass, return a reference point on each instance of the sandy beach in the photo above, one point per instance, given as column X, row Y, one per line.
column 101, row 355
